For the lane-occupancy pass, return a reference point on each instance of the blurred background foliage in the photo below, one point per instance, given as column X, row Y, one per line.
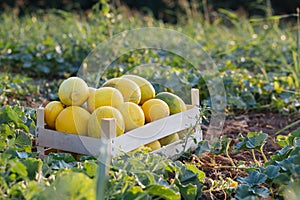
column 255, row 45
column 166, row 10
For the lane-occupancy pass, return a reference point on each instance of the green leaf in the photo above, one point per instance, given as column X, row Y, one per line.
column 67, row 157
column 73, row 185
column 188, row 191
column 297, row 142
column 136, row 192
column 254, row 178
column 33, row 167
column 145, row 177
column 23, row 141
column 33, row 190
column 282, row 153
column 202, row 147
column 244, row 192
column 163, row 192
column 43, row 69
column 195, row 170
column 18, row 168
column 272, row 171
column 263, row 192
column 90, row 168
column 255, row 140
column 282, row 140
column 8, row 115
column 293, row 135
column 282, row 178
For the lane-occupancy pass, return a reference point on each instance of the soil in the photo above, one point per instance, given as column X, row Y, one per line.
column 219, row 167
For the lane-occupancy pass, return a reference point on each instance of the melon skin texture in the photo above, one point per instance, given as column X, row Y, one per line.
column 73, row 120
column 129, row 89
column 147, row 89
column 175, row 103
column 169, row 139
column 105, row 96
column 73, row 91
column 94, row 122
column 132, row 114
column 51, row 111
column 155, row 109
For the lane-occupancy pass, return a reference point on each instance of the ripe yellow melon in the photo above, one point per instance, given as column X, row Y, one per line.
column 147, row 89
column 74, row 120
column 90, row 103
column 132, row 114
column 129, row 89
column 169, row 139
column 73, row 91
column 155, row 109
column 51, row 111
column 106, row 96
column 94, row 123
column 153, row 145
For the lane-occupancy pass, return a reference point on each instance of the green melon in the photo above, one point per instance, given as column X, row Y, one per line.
column 175, row 103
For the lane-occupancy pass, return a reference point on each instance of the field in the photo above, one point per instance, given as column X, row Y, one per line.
column 256, row 156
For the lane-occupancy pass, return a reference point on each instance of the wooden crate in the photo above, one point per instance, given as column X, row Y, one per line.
column 49, row 139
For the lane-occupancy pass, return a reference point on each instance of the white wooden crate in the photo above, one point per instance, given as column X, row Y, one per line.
column 46, row 138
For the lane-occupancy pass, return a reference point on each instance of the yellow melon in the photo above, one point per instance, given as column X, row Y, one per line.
column 94, row 123
column 73, row 91
column 155, row 109
column 153, row 145
column 147, row 90
column 132, row 114
column 129, row 89
column 105, row 96
column 74, row 120
column 51, row 111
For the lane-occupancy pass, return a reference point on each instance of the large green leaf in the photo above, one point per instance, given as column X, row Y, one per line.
column 254, row 178
column 244, row 192
column 76, row 186
column 8, row 115
column 162, row 192
column 33, row 167
column 18, row 168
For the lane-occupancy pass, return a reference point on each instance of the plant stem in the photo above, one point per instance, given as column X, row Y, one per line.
column 254, row 157
column 263, row 154
column 228, row 156
column 288, row 126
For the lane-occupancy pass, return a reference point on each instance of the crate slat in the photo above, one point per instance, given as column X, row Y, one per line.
column 67, row 142
column 155, row 130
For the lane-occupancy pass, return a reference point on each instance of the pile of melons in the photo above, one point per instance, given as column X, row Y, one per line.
column 130, row 99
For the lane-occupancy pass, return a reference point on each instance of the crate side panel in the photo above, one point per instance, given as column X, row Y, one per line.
column 155, row 130
column 68, row 142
